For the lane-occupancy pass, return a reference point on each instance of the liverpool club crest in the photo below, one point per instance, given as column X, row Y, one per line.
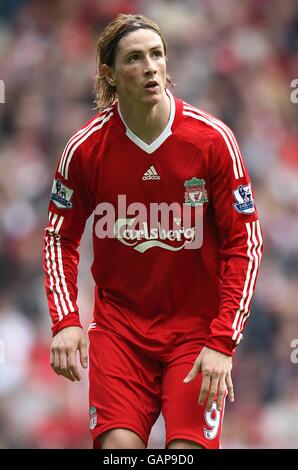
column 195, row 192
column 93, row 418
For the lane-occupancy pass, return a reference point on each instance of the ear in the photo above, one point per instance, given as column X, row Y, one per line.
column 108, row 74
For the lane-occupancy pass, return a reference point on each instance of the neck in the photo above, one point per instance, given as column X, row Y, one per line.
column 147, row 122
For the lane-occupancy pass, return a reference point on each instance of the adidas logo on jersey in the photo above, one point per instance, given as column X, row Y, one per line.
column 151, row 174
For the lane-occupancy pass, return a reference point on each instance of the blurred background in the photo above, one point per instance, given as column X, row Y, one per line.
column 234, row 59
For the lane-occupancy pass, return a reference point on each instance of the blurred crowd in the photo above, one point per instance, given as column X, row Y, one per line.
column 237, row 61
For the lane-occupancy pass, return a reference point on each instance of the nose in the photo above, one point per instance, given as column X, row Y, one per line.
column 149, row 66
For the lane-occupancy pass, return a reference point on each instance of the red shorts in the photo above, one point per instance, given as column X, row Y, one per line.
column 129, row 389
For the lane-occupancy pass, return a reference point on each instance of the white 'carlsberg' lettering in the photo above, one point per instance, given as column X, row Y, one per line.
column 162, row 225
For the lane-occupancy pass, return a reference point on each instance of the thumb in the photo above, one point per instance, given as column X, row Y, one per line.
column 193, row 372
column 83, row 354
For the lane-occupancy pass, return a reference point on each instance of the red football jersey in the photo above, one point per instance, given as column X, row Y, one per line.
column 154, row 285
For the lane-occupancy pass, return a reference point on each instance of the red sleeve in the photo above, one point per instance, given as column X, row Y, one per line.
column 240, row 238
column 69, row 208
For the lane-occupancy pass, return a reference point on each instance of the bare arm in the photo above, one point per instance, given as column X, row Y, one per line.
column 63, row 356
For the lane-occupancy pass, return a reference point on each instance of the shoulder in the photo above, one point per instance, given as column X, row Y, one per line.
column 206, row 126
column 223, row 141
column 81, row 143
column 96, row 126
column 210, row 133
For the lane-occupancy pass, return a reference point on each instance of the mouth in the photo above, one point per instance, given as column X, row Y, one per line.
column 151, row 85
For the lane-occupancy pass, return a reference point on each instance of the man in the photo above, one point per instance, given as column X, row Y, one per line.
column 173, row 287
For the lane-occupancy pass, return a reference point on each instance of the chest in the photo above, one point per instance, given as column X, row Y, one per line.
column 162, row 176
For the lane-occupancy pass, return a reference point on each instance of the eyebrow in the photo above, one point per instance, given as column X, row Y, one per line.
column 134, row 51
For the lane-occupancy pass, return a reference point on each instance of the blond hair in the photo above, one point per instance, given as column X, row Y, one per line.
column 108, row 40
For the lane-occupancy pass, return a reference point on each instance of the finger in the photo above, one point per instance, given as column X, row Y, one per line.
column 204, row 388
column 230, row 387
column 55, row 361
column 212, row 392
column 64, row 369
column 83, row 354
column 59, row 358
column 52, row 358
column 68, row 375
column 193, row 372
column 221, row 391
column 72, row 365
column 52, row 361
column 63, row 362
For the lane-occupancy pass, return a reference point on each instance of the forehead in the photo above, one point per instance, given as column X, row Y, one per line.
column 141, row 39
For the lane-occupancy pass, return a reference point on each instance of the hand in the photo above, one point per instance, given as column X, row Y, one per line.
column 216, row 371
column 63, row 352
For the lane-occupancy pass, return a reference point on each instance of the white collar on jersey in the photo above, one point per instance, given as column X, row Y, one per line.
column 150, row 148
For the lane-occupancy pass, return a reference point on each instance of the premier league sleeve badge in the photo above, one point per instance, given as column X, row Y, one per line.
column 61, row 195
column 244, row 200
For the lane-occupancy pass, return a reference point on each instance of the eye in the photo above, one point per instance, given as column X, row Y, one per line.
column 157, row 53
column 134, row 58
